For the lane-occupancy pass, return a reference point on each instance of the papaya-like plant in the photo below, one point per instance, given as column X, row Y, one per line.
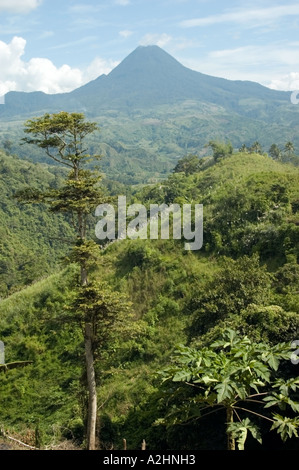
column 240, row 376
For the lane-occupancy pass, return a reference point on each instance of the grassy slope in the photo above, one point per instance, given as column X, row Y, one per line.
column 32, row 240
column 160, row 278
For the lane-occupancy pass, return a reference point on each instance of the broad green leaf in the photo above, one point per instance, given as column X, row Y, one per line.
column 198, row 362
column 240, row 430
column 271, row 359
column 242, row 435
column 206, row 380
column 241, row 391
column 271, row 401
column 224, row 391
column 182, row 376
column 255, row 432
column 286, row 427
column 294, row 405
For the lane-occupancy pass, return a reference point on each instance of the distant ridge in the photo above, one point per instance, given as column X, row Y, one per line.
column 147, row 77
column 152, row 110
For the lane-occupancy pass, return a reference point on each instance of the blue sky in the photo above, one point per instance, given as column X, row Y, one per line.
column 58, row 45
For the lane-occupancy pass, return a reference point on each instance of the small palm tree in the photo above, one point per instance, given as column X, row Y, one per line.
column 274, row 152
column 289, row 148
column 243, row 149
column 256, row 147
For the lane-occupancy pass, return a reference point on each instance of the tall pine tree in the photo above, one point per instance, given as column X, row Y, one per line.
column 95, row 307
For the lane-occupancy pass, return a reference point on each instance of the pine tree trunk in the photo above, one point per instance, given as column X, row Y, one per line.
column 83, row 275
column 92, row 391
column 89, row 358
column 231, row 445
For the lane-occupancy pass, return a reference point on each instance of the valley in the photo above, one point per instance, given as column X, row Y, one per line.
column 152, row 110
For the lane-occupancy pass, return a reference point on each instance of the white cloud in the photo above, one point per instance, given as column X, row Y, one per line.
column 248, row 17
column 125, row 33
column 36, row 75
column 40, row 74
column 19, row 6
column 289, row 82
column 272, row 65
column 98, row 67
column 272, row 57
column 160, row 40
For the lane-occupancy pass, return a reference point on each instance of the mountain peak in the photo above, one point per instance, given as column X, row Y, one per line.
column 147, row 59
column 149, row 76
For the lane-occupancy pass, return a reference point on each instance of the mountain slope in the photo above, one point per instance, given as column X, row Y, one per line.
column 152, row 110
column 149, row 76
column 167, row 286
column 32, row 240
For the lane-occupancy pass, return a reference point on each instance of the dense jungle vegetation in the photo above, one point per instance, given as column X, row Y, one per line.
column 242, row 283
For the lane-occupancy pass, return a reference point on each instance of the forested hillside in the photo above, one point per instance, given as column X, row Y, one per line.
column 32, row 240
column 245, row 278
column 152, row 110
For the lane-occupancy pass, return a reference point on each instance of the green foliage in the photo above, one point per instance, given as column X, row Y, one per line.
column 269, row 323
column 141, row 254
column 105, row 311
column 32, row 240
column 220, row 149
column 234, row 287
column 188, row 165
column 248, row 208
column 285, row 426
column 61, row 135
column 239, row 431
column 152, row 109
column 256, row 147
column 13, row 365
column 47, row 389
column 275, row 152
column 233, row 373
column 244, row 278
